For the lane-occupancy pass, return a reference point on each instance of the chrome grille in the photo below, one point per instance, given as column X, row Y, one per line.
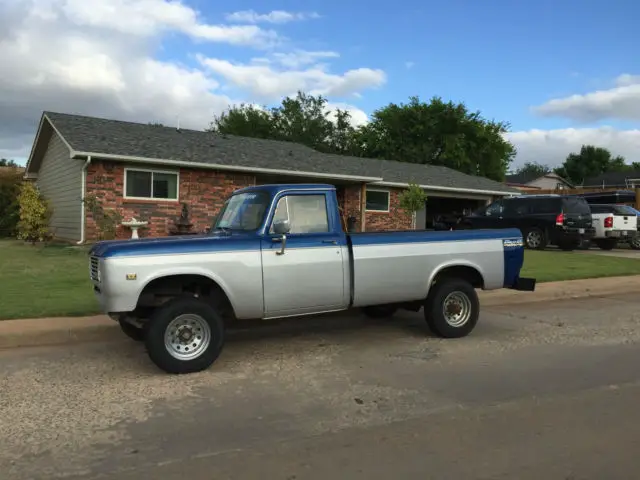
column 94, row 269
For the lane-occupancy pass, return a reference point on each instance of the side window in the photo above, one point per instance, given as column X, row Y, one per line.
column 545, row 206
column 516, row 208
column 306, row 213
column 495, row 209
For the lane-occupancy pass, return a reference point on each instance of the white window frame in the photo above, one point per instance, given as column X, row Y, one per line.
column 378, row 190
column 151, row 171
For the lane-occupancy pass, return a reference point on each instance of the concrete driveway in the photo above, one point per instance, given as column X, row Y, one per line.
column 538, row 391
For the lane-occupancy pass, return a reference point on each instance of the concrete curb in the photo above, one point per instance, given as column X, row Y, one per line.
column 74, row 330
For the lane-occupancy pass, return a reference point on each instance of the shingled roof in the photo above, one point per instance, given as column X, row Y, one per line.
column 128, row 140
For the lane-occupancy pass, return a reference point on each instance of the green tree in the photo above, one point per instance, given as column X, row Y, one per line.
column 438, row 133
column 412, row 200
column 590, row 162
column 304, row 119
column 533, row 169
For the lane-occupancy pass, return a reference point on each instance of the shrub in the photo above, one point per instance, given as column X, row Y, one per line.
column 412, row 200
column 35, row 213
column 106, row 220
column 9, row 207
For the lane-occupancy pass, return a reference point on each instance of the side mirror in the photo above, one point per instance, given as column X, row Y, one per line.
column 281, row 227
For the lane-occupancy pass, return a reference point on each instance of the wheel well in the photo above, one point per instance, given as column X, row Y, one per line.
column 159, row 290
column 463, row 272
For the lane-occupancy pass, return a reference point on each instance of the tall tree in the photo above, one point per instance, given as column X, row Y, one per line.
column 590, row 162
column 438, row 133
column 533, row 169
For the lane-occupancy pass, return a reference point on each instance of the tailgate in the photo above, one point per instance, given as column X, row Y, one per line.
column 577, row 220
column 625, row 222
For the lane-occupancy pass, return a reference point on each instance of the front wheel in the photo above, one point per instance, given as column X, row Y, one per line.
column 185, row 335
column 452, row 308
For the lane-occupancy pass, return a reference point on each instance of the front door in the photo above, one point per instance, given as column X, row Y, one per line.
column 309, row 275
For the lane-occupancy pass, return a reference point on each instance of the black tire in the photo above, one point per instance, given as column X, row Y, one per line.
column 535, row 233
column 131, row 331
column 160, row 321
column 380, row 311
column 607, row 244
column 635, row 243
column 434, row 309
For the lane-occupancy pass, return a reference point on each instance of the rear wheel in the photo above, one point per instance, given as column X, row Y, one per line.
column 452, row 308
column 635, row 243
column 607, row 243
column 535, row 239
column 379, row 311
column 185, row 335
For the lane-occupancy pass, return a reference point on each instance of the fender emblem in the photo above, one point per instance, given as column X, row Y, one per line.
column 132, row 276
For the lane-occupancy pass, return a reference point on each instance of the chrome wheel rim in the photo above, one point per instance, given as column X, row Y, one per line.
column 456, row 309
column 187, row 336
column 533, row 239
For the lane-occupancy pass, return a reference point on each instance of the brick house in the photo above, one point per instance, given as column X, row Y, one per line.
column 148, row 172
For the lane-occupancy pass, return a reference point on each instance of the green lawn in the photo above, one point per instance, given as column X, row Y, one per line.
column 551, row 266
column 54, row 281
column 44, row 281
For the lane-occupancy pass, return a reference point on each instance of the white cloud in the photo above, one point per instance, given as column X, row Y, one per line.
column 621, row 102
column 551, row 147
column 97, row 58
column 275, row 16
column 268, row 83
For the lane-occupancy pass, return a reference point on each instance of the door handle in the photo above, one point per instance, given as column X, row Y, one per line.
column 331, row 242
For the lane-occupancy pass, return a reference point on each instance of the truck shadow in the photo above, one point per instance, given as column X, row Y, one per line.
column 328, row 326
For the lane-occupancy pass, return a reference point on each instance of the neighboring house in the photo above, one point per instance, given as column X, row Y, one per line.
column 622, row 180
column 531, row 182
column 147, row 172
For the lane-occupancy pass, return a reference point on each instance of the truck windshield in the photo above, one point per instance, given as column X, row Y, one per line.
column 243, row 212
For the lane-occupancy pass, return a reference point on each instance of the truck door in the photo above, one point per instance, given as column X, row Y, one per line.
column 303, row 271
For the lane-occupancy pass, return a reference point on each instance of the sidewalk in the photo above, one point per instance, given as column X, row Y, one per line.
column 65, row 330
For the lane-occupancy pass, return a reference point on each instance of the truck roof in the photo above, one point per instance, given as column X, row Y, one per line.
column 277, row 187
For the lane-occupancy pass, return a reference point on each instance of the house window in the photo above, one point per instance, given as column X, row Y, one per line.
column 377, row 200
column 151, row 184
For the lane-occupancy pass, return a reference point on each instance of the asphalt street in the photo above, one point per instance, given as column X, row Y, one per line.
column 537, row 391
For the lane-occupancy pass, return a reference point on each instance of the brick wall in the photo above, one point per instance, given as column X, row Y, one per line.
column 395, row 219
column 203, row 190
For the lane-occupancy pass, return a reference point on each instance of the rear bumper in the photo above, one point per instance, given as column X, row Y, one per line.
column 564, row 234
column 621, row 233
column 524, row 284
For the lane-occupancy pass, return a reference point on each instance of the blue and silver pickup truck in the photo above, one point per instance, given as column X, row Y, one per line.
column 280, row 251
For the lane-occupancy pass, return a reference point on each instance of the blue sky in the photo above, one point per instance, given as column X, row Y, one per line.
column 561, row 73
column 501, row 57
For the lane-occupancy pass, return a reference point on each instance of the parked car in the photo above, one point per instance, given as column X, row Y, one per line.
column 280, row 251
column 612, row 223
column 561, row 220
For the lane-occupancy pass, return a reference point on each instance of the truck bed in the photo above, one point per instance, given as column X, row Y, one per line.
column 394, row 266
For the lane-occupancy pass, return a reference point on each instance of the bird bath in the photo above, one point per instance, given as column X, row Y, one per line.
column 134, row 225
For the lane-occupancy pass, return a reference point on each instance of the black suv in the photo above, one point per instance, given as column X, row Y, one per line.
column 561, row 220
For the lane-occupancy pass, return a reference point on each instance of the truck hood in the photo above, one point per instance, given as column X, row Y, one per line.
column 175, row 245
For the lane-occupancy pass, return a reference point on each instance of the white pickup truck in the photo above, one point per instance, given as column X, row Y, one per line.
column 612, row 224
column 280, row 251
